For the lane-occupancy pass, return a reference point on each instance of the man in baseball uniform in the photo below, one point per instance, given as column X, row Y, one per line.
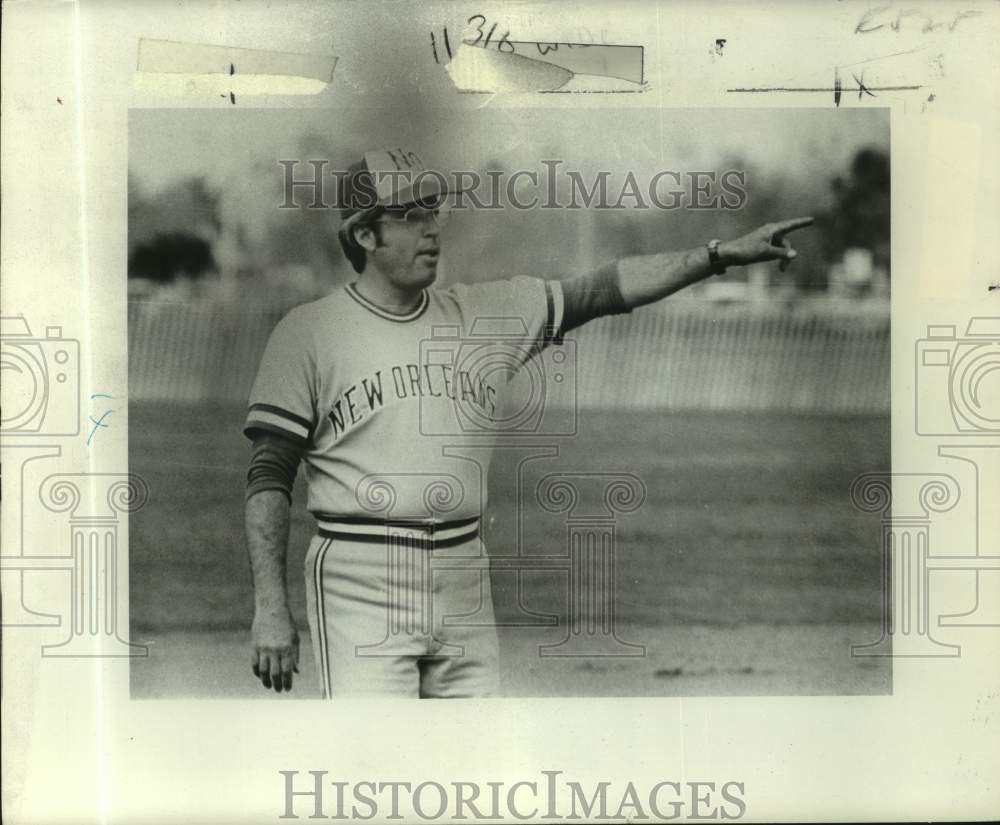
column 345, row 387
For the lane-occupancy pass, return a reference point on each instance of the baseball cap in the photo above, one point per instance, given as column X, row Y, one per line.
column 384, row 178
column 387, row 178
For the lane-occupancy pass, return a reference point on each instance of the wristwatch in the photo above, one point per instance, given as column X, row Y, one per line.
column 714, row 261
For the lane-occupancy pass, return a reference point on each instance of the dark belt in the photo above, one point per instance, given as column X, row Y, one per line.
column 426, row 532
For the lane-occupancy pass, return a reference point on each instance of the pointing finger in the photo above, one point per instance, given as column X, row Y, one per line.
column 783, row 227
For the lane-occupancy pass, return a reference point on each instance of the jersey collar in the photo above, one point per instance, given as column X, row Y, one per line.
column 399, row 318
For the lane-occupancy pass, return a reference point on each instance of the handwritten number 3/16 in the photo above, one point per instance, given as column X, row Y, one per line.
column 482, row 36
column 503, row 44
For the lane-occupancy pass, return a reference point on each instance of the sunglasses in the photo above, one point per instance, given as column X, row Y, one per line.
column 418, row 215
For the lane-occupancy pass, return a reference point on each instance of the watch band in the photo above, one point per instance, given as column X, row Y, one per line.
column 714, row 261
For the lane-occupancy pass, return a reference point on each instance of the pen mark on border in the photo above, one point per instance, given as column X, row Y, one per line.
column 867, row 89
column 98, row 422
column 838, row 88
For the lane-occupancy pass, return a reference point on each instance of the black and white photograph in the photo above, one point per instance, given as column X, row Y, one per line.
column 575, row 415
column 625, row 374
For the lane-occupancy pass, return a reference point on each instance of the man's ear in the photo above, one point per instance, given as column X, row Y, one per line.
column 364, row 236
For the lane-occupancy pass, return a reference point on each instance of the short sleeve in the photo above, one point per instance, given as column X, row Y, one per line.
column 530, row 308
column 282, row 398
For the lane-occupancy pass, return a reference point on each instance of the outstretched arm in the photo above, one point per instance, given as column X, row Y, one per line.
column 646, row 278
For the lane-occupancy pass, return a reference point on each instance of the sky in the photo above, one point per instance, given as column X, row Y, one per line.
column 227, row 146
column 237, row 152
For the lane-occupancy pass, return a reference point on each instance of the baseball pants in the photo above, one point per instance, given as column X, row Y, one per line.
column 397, row 612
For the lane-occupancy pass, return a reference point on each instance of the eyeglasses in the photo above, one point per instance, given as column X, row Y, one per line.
column 416, row 215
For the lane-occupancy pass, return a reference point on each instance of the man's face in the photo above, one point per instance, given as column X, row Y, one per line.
column 408, row 253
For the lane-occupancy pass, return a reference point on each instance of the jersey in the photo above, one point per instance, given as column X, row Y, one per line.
column 375, row 398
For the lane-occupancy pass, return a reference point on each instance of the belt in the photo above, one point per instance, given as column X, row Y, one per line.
column 378, row 531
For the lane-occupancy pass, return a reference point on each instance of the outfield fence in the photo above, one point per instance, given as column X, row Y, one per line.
column 827, row 357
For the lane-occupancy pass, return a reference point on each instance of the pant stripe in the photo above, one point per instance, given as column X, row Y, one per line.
column 324, row 653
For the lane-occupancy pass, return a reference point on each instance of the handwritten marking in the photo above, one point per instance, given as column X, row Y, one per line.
column 502, row 45
column 98, row 422
column 861, row 85
column 864, row 27
column 720, row 43
column 838, row 88
column 580, row 58
column 476, row 69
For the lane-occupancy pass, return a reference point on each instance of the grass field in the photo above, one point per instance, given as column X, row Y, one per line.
column 746, row 570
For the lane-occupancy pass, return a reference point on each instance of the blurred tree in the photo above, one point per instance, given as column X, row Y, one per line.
column 189, row 207
column 172, row 233
column 168, row 256
column 860, row 216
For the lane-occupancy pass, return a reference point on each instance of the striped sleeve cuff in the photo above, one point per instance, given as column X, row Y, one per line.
column 270, row 418
column 555, row 310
